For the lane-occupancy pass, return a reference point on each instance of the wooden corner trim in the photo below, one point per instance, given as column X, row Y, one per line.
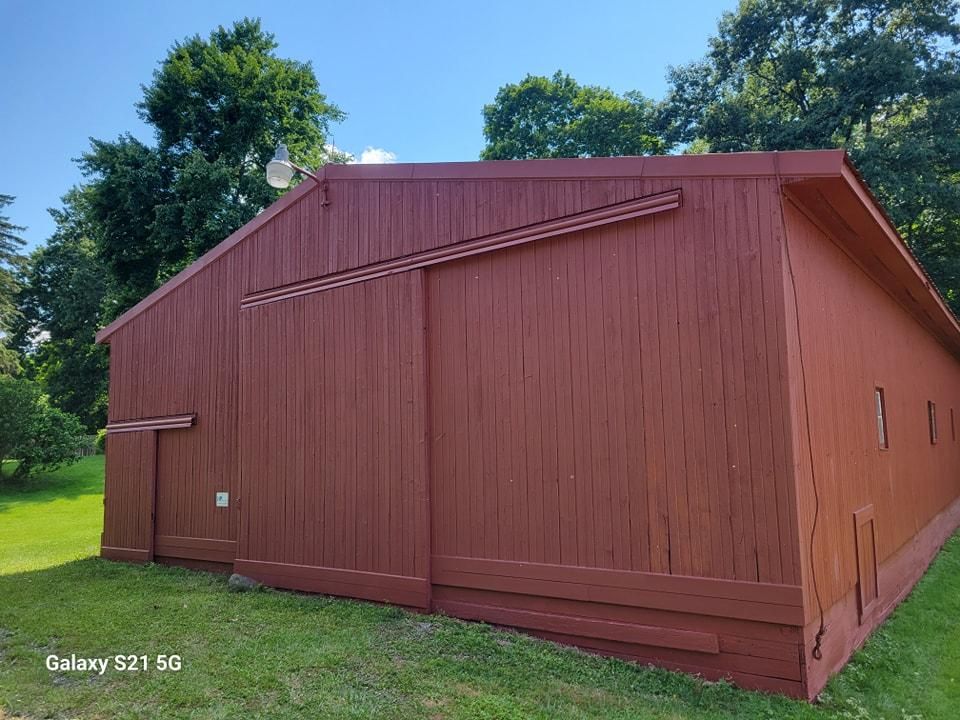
column 619, row 212
column 169, row 422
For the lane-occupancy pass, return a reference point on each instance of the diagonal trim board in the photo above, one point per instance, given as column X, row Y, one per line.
column 606, row 215
column 795, row 163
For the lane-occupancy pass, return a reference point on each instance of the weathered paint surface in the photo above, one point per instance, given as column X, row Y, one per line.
column 589, row 428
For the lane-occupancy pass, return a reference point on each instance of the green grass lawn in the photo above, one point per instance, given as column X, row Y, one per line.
column 283, row 655
column 52, row 521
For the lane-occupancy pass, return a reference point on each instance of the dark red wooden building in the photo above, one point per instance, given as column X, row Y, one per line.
column 675, row 409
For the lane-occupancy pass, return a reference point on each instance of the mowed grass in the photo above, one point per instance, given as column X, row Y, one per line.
column 284, row 655
column 52, row 520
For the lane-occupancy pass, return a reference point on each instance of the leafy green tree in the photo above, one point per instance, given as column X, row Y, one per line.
column 218, row 107
column 11, row 263
column 34, row 436
column 880, row 78
column 60, row 301
column 557, row 117
column 131, row 183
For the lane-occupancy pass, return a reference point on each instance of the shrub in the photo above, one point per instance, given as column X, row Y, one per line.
column 33, row 434
column 101, row 442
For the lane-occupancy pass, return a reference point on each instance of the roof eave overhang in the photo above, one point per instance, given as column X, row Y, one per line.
column 843, row 206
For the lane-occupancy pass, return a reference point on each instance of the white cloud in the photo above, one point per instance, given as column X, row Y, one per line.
column 334, row 154
column 376, row 156
column 370, row 155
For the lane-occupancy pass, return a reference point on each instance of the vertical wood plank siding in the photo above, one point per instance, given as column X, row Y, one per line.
column 595, row 400
column 181, row 357
column 597, row 436
column 577, row 392
column 855, row 337
column 332, row 430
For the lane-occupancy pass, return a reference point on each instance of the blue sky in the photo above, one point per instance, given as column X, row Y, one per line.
column 412, row 76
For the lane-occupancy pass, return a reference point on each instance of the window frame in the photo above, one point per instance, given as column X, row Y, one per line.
column 880, row 413
column 932, row 421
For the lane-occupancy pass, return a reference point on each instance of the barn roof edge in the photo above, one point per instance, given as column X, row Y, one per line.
column 794, row 164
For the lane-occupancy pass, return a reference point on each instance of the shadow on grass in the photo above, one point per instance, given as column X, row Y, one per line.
column 68, row 482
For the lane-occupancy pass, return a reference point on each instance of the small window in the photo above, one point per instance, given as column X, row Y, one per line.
column 932, row 415
column 882, row 437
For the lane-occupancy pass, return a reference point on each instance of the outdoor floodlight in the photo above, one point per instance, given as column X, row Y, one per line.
column 280, row 170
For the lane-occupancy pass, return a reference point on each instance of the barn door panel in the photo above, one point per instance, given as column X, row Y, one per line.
column 333, row 488
column 538, row 373
column 190, row 524
column 868, row 589
column 129, row 493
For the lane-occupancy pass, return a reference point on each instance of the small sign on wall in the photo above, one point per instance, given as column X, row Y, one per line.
column 223, row 499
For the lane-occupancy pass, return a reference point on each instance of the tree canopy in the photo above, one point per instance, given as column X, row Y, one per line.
column 880, row 78
column 11, row 263
column 557, row 117
column 60, row 301
column 218, row 107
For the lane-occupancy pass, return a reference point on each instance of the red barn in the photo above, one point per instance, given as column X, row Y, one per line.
column 674, row 409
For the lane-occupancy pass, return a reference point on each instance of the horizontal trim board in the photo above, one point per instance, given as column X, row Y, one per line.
column 690, row 640
column 786, row 670
column 124, row 554
column 223, row 551
column 647, row 205
column 697, row 605
column 790, row 595
column 379, row 587
column 742, row 164
column 617, row 588
column 192, row 564
column 710, row 666
column 169, row 422
column 780, row 635
column 737, row 645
